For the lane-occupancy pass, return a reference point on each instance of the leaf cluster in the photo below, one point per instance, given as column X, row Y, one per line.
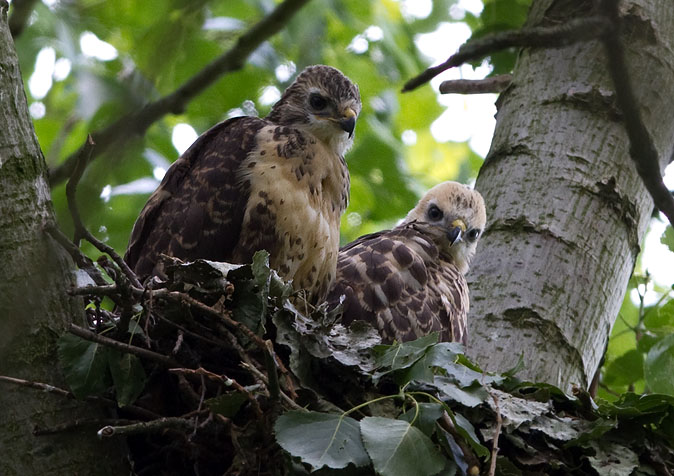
column 640, row 354
column 274, row 386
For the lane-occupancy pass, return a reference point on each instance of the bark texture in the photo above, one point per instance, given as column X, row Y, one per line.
column 566, row 209
column 34, row 304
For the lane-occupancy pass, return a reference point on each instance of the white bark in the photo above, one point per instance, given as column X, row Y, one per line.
column 566, row 208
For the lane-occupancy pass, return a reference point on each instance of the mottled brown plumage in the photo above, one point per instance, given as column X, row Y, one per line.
column 409, row 281
column 248, row 184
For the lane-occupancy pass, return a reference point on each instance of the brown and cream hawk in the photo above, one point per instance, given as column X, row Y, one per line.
column 278, row 184
column 409, row 281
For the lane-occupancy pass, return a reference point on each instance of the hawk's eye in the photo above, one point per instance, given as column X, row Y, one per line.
column 473, row 234
column 318, row 102
column 434, row 213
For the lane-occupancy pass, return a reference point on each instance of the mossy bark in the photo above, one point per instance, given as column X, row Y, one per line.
column 34, row 305
column 566, row 208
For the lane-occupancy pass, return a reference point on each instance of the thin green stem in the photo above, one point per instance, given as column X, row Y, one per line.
column 416, row 408
column 358, row 407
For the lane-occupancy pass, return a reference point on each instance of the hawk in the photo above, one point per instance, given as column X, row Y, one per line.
column 278, row 184
column 409, row 281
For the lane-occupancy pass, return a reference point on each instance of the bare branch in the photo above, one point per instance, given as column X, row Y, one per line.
column 37, row 385
column 573, row 31
column 263, row 378
column 136, row 123
column 187, row 299
column 105, row 290
column 642, row 149
column 146, row 427
column 83, row 157
column 83, row 262
column 227, row 382
column 131, row 349
column 44, row 387
column 497, row 433
column 78, row 424
column 493, row 84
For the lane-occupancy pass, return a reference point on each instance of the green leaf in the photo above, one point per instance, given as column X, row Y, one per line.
column 251, row 291
column 659, row 366
column 661, row 320
column 128, row 376
column 646, row 342
column 227, row 404
column 516, row 368
column 403, row 355
column 399, row 449
column 667, row 238
column 444, row 353
column 85, row 365
column 631, row 404
column 321, row 439
column 468, row 396
column 626, row 369
column 466, row 377
column 426, row 418
column 466, row 429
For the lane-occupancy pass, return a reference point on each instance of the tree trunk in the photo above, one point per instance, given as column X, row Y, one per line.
column 566, row 208
column 34, row 304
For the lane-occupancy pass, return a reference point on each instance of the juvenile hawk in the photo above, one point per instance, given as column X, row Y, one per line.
column 409, row 281
column 248, row 184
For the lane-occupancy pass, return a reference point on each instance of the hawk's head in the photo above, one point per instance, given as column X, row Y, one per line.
column 323, row 102
column 454, row 216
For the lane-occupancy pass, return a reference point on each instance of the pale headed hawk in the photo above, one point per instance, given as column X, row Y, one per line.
column 278, row 184
column 409, row 281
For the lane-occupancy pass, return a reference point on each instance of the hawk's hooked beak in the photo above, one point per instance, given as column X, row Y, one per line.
column 348, row 121
column 455, row 233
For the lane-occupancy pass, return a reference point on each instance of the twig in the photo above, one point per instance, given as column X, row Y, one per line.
column 159, row 424
column 189, row 333
column 136, row 123
column 131, row 349
column 185, row 298
column 44, row 387
column 492, row 84
column 263, row 378
column 497, row 434
column 21, row 10
column 642, row 149
column 573, row 31
column 227, row 382
column 179, row 342
column 83, row 262
column 270, row 364
column 83, row 156
column 37, row 385
column 105, row 290
column 77, row 424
